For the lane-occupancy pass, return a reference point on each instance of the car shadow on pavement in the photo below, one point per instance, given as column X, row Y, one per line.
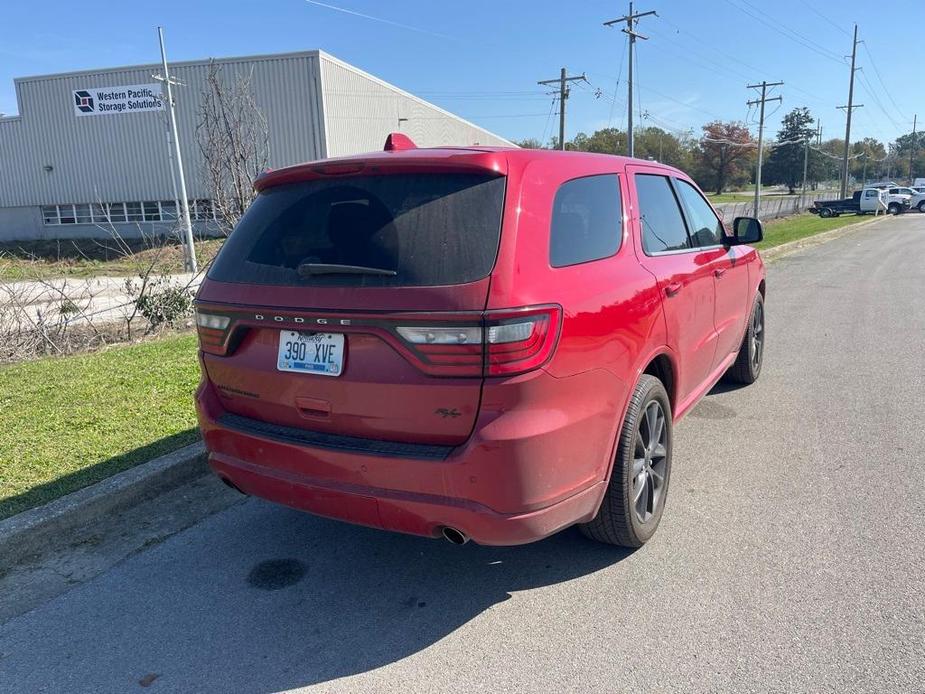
column 263, row 598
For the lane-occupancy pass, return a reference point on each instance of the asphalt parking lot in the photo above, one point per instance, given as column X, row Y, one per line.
column 790, row 556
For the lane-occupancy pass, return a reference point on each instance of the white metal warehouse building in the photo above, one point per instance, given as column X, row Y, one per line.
column 89, row 144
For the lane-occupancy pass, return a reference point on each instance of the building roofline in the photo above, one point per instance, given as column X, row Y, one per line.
column 173, row 64
column 408, row 95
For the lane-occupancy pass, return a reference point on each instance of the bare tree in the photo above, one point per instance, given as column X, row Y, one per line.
column 234, row 139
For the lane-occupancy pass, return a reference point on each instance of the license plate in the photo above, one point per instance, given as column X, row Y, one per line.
column 311, row 353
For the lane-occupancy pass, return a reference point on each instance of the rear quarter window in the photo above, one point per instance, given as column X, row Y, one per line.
column 424, row 229
column 587, row 220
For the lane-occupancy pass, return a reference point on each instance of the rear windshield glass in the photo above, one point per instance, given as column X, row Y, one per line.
column 395, row 230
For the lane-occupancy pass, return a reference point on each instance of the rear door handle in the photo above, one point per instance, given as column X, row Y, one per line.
column 673, row 288
column 720, row 271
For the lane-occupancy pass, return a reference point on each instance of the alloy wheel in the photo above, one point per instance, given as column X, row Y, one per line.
column 649, row 462
column 756, row 346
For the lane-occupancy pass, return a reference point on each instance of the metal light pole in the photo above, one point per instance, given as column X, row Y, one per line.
column 187, row 226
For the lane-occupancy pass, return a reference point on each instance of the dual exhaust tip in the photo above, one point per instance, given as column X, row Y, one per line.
column 454, row 536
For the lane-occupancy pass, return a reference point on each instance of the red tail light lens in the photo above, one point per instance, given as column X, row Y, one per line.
column 213, row 332
column 503, row 343
column 520, row 340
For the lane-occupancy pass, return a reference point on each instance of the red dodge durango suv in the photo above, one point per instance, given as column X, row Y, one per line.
column 484, row 343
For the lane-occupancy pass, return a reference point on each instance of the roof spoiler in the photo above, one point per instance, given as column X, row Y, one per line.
column 398, row 141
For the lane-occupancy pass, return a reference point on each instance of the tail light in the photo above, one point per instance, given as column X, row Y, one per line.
column 502, row 343
column 491, row 343
column 213, row 332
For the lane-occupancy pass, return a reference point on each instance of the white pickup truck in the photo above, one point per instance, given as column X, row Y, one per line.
column 870, row 199
column 916, row 196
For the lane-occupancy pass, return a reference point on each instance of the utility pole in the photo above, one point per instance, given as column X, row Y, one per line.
column 761, row 102
column 805, row 166
column 187, row 226
column 819, row 144
column 563, row 81
column 630, row 31
column 849, row 108
column 912, row 148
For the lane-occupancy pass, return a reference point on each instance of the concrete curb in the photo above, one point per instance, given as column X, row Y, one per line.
column 784, row 249
column 32, row 532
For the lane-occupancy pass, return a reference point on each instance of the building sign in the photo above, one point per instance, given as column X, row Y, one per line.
column 113, row 101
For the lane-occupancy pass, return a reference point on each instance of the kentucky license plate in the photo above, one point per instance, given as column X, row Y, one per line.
column 311, row 353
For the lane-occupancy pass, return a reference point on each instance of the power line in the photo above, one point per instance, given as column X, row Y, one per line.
column 783, row 31
column 870, row 92
column 552, row 108
column 616, row 86
column 822, row 16
column 880, row 78
column 713, row 65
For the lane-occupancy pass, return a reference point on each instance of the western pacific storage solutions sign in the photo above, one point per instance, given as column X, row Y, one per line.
column 113, row 101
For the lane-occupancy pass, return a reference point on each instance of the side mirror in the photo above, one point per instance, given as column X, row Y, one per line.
column 745, row 230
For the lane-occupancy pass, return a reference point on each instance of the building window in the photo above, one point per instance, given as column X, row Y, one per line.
column 124, row 212
column 82, row 214
column 152, row 211
column 133, row 212
column 116, row 212
column 201, row 210
column 50, row 214
column 66, row 214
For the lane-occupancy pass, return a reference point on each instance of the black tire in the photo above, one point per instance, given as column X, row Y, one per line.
column 894, row 208
column 922, row 206
column 621, row 519
column 747, row 366
column 825, row 212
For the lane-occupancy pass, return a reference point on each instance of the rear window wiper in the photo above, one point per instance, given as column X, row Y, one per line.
column 310, row 269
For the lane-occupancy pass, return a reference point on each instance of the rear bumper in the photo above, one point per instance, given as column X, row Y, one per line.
column 416, row 514
column 523, row 474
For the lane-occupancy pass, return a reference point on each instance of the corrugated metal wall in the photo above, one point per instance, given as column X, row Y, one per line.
column 361, row 110
column 124, row 157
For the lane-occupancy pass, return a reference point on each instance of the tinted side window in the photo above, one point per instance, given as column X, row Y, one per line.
column 706, row 229
column 660, row 217
column 587, row 220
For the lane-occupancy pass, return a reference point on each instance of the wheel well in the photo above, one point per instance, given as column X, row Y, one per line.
column 661, row 368
column 761, row 289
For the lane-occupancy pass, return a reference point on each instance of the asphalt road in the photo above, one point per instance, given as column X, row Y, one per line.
column 790, row 557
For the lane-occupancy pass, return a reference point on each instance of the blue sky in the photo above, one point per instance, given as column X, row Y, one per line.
column 481, row 59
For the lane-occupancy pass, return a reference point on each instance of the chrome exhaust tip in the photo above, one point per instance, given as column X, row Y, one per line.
column 457, row 537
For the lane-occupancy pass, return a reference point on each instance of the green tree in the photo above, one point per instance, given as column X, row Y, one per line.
column 604, row 141
column 902, row 148
column 660, row 145
column 868, row 159
column 529, row 143
column 785, row 164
